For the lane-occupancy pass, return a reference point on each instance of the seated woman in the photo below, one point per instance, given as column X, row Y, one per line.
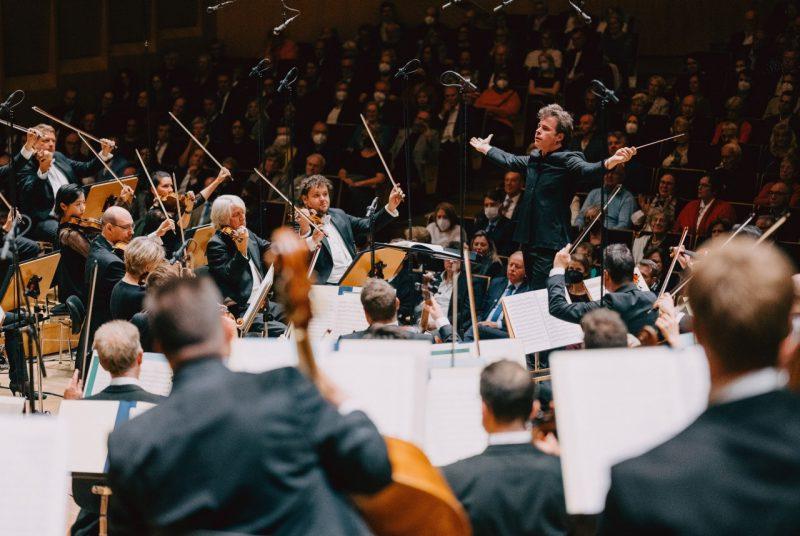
column 658, row 223
column 502, row 104
column 444, row 229
column 142, row 256
column 578, row 270
column 488, row 262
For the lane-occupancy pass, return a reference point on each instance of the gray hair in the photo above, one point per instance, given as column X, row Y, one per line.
column 604, row 328
column 117, row 344
column 563, row 120
column 379, row 299
column 142, row 255
column 222, row 208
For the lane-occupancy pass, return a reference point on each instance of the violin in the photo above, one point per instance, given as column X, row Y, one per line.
column 418, row 501
column 170, row 201
column 232, row 233
column 90, row 225
column 121, row 246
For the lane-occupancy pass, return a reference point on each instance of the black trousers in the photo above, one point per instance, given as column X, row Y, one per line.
column 17, row 373
column 538, row 263
column 485, row 333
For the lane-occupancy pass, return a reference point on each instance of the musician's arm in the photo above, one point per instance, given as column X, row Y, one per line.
column 221, row 265
column 557, row 299
column 507, row 160
column 75, row 241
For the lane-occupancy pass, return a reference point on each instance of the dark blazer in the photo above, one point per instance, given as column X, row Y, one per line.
column 110, row 270
column 396, row 332
column 16, row 165
column 735, row 470
column 551, row 181
column 279, row 464
column 634, row 306
column 37, row 196
column 497, row 288
column 127, row 392
column 512, row 490
column 349, row 227
column 231, row 270
column 501, row 233
column 464, row 317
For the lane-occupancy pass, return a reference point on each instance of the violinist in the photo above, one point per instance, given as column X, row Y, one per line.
column 237, row 260
column 142, row 256
column 188, row 202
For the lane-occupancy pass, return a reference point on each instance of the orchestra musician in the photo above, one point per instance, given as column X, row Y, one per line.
column 543, row 222
column 41, row 179
column 165, row 190
column 22, row 158
column 142, row 255
column 339, row 247
column 272, row 457
column 236, row 261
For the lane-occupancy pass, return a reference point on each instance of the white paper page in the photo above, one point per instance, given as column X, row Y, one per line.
column 11, row 405
column 337, row 309
column 453, row 429
column 381, row 347
column 561, row 333
column 155, row 375
column 612, row 405
column 256, row 354
column 593, row 288
column 528, row 315
column 389, row 388
column 33, row 484
column 466, row 354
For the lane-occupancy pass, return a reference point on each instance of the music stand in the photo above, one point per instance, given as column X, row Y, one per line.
column 43, row 267
column 390, row 260
column 197, row 249
column 98, row 194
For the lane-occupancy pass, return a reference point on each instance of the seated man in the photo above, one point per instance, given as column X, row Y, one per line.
column 620, row 209
column 490, row 315
column 622, row 295
column 603, row 328
column 381, row 304
column 499, row 228
column 736, row 468
column 512, row 487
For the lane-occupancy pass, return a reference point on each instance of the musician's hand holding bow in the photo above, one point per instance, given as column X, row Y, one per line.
column 31, row 138
column 45, row 160
column 562, row 258
column 166, row 226
column 622, row 155
column 126, row 195
column 223, row 175
column 482, row 145
column 106, row 146
column 241, row 239
column 667, row 321
column 305, row 227
column 74, row 390
column 395, row 198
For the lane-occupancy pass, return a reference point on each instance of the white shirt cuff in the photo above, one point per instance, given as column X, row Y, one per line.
column 557, row 271
column 26, row 154
column 442, row 322
column 41, row 175
column 392, row 213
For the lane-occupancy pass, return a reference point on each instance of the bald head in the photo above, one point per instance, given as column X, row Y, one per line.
column 117, row 225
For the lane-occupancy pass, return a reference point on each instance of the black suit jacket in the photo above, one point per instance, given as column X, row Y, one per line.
column 278, row 464
column 37, row 196
column 231, row 270
column 110, row 270
column 395, row 332
column 127, row 392
column 349, row 227
column 634, row 306
column 735, row 470
column 502, row 233
column 17, row 163
column 497, row 288
column 510, row 490
column 464, row 316
column 542, row 215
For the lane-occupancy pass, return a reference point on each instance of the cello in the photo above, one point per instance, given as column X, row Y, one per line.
column 418, row 501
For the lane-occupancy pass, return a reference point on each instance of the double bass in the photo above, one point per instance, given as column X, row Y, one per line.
column 418, row 501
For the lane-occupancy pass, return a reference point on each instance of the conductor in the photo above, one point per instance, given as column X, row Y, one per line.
column 553, row 174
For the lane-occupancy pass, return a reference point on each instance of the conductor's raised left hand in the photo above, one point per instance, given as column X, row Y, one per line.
column 395, row 198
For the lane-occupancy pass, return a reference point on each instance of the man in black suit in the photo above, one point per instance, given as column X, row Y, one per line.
column 41, row 179
column 543, row 221
column 491, row 324
column 622, row 295
column 736, row 469
column 339, row 247
column 236, row 261
column 21, row 159
column 279, row 464
column 381, row 304
column 512, row 487
column 499, row 228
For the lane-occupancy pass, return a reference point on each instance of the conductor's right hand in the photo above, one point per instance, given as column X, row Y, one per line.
column 482, row 145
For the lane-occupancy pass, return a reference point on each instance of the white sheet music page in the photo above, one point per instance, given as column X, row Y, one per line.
column 561, row 333
column 256, row 354
column 593, row 288
column 530, row 319
column 613, row 405
column 155, row 375
column 389, row 387
column 453, row 429
column 34, row 477
column 337, row 311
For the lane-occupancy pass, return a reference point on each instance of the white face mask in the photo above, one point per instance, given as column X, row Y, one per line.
column 744, row 85
column 384, row 68
column 429, row 20
column 341, row 96
column 491, row 212
column 443, row 224
column 282, row 140
column 379, row 96
column 631, row 127
column 319, row 138
column 502, row 83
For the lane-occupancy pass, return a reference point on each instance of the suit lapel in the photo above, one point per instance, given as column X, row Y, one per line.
column 255, row 255
column 342, row 227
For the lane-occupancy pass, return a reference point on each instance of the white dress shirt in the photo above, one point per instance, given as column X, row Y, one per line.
column 702, row 212
column 339, row 252
column 125, row 380
column 510, row 205
column 749, row 385
column 57, row 178
column 511, row 438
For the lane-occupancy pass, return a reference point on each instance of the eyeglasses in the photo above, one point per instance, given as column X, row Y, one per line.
column 128, row 227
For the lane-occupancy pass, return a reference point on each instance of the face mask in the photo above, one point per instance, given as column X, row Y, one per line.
column 491, row 212
column 631, row 127
column 429, row 20
column 443, row 224
column 744, row 85
column 379, row 96
column 573, row 276
column 384, row 68
column 501, row 84
column 341, row 96
column 786, row 86
column 281, row 140
column 319, row 138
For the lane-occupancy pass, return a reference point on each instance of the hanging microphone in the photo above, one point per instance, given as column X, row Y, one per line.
column 372, row 208
column 288, row 80
column 260, row 68
column 179, row 253
column 602, row 91
column 408, row 68
column 456, row 80
column 586, row 18
column 13, row 100
column 451, row 3
column 215, row 7
column 502, row 5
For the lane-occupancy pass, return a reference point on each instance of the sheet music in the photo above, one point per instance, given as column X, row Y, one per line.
column 617, row 404
column 593, row 285
column 34, row 477
column 11, row 405
column 155, row 375
column 453, row 428
column 466, row 354
column 529, row 316
column 337, row 309
column 256, row 354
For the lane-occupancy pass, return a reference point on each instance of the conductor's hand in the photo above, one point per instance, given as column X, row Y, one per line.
column 562, row 258
column 395, row 198
column 622, row 155
column 482, row 145
column 74, row 390
column 166, row 226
